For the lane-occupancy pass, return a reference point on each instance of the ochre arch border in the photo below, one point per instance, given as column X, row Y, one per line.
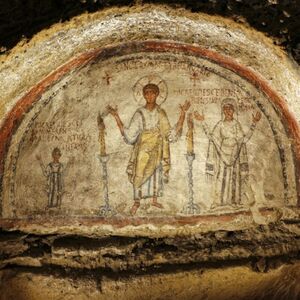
column 23, row 105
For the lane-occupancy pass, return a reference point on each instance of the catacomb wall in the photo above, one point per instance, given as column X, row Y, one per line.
column 149, row 145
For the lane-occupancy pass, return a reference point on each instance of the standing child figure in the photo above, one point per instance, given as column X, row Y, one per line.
column 54, row 172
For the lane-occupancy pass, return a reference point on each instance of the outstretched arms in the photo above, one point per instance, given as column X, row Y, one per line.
column 114, row 112
column 201, row 118
column 44, row 170
column 198, row 116
column 255, row 119
column 132, row 132
column 183, row 109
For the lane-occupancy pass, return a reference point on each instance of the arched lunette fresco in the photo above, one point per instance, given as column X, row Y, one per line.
column 289, row 166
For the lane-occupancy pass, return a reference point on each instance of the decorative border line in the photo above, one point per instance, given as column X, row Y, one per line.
column 119, row 222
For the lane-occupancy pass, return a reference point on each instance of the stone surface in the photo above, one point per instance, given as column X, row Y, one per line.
column 235, row 283
column 124, row 253
column 52, row 91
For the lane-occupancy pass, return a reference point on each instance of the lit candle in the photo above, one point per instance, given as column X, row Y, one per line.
column 101, row 127
column 190, row 135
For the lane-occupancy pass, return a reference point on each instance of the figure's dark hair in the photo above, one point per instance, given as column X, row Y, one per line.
column 151, row 86
column 229, row 104
column 56, row 149
column 229, row 101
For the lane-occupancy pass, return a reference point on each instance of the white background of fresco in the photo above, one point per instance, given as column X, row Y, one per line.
column 86, row 92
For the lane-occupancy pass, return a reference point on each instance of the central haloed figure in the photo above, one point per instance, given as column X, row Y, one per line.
column 150, row 133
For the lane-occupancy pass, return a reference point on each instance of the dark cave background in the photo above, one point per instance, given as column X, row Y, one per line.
column 279, row 19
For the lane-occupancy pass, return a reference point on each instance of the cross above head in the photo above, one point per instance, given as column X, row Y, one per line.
column 194, row 77
column 107, row 78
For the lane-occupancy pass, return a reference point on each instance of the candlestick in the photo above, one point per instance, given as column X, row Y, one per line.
column 105, row 210
column 101, row 127
column 190, row 135
column 190, row 207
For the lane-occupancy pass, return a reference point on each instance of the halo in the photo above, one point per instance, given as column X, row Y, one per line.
column 153, row 79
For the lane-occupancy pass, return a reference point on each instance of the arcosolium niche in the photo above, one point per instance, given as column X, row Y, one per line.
column 149, row 131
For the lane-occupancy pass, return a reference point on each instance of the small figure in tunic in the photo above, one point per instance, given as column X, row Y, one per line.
column 150, row 133
column 227, row 159
column 54, row 173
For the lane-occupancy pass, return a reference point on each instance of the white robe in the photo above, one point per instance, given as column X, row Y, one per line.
column 227, row 161
column 145, row 120
column 55, row 184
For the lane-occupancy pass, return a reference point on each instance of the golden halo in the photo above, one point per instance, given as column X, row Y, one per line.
column 153, row 79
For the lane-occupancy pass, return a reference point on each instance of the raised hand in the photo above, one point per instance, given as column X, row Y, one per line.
column 112, row 110
column 198, row 117
column 256, row 117
column 185, row 107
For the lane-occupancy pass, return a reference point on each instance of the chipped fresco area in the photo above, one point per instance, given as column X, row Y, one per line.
column 69, row 158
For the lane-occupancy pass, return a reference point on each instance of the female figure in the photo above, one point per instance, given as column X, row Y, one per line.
column 149, row 132
column 227, row 159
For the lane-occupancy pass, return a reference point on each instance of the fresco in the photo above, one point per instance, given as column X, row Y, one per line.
column 149, row 134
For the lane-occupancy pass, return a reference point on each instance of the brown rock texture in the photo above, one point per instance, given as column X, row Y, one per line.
column 82, row 258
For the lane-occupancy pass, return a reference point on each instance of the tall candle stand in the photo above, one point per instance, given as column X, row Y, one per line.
column 190, row 208
column 105, row 210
